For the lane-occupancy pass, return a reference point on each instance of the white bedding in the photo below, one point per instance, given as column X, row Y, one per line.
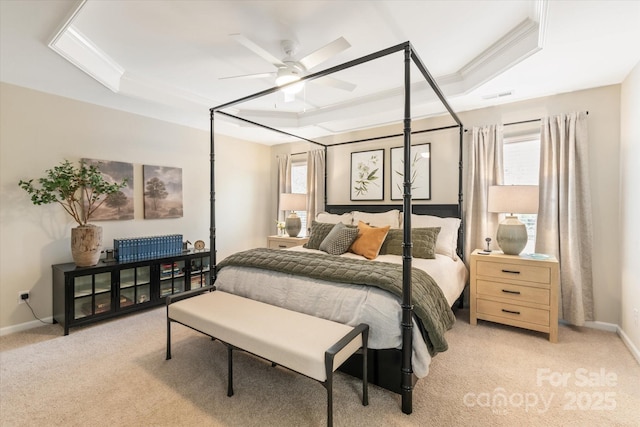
column 345, row 303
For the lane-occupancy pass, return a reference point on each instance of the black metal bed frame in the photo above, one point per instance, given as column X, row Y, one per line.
column 407, row 378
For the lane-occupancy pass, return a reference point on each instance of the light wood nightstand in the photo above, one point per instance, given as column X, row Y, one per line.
column 283, row 242
column 515, row 290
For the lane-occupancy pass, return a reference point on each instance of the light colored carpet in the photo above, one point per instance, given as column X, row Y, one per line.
column 114, row 373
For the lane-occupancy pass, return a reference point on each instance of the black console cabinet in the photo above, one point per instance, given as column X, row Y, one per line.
column 84, row 295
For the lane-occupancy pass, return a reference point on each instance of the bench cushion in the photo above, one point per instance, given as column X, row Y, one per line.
column 291, row 339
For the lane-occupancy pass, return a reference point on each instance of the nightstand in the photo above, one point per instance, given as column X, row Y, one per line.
column 283, row 242
column 516, row 290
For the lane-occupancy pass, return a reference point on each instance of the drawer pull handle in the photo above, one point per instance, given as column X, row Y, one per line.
column 509, row 311
column 282, row 246
column 507, row 291
column 511, row 271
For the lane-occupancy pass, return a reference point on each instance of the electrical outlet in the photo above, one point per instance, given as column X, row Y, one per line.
column 636, row 317
column 23, row 296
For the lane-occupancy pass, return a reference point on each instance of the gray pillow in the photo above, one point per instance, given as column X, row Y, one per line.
column 423, row 239
column 339, row 239
column 319, row 231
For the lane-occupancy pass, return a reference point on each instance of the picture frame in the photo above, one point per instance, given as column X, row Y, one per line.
column 118, row 206
column 420, row 172
column 367, row 175
column 162, row 192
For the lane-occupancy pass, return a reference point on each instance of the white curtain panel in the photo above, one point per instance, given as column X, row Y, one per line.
column 564, row 215
column 315, row 184
column 485, row 169
column 284, row 182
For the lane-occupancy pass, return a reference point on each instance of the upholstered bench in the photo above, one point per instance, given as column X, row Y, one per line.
column 308, row 345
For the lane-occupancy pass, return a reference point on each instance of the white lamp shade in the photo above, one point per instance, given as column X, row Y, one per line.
column 293, row 202
column 519, row 199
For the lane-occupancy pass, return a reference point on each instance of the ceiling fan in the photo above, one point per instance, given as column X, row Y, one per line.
column 290, row 69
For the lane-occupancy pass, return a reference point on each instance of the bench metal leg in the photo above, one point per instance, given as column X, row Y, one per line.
column 363, row 330
column 365, row 384
column 230, row 374
column 168, row 338
column 329, row 386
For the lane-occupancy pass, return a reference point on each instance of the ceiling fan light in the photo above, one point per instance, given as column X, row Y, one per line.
column 285, row 76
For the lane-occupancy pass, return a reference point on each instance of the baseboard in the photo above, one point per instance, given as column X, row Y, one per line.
column 24, row 326
column 603, row 326
column 630, row 345
column 611, row 327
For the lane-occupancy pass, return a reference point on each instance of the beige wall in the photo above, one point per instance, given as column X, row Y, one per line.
column 603, row 105
column 39, row 130
column 630, row 205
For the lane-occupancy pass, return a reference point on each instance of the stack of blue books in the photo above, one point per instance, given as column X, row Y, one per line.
column 139, row 248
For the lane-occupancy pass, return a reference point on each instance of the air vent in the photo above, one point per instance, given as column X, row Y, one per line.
column 498, row 95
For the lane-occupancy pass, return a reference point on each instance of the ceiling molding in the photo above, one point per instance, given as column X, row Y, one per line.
column 524, row 40
column 76, row 48
column 515, row 46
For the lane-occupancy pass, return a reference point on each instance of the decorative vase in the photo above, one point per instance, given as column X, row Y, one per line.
column 86, row 245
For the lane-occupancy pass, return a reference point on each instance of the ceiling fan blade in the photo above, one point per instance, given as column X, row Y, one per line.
column 325, row 52
column 249, row 76
column 335, row 83
column 244, row 41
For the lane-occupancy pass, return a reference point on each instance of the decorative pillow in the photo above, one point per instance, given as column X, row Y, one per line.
column 447, row 242
column 339, row 239
column 345, row 218
column 369, row 240
column 423, row 239
column 390, row 218
column 319, row 231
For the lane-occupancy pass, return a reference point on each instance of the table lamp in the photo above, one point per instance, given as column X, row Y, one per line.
column 293, row 202
column 513, row 199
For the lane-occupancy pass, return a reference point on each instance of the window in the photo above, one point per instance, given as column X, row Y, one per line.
column 299, row 185
column 521, row 157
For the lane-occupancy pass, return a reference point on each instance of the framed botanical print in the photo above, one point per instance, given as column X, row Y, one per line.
column 367, row 175
column 420, row 172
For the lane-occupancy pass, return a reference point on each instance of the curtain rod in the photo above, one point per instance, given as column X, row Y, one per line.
column 528, row 121
column 525, row 121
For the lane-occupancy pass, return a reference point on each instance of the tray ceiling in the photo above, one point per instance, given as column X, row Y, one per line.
column 171, row 59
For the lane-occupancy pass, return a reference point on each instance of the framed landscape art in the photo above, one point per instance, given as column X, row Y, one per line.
column 118, row 206
column 162, row 192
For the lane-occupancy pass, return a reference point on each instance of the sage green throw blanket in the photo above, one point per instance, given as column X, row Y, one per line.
column 430, row 305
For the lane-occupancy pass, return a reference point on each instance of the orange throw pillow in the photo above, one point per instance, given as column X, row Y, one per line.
column 369, row 240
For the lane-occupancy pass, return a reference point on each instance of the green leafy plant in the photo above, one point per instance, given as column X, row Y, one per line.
column 80, row 190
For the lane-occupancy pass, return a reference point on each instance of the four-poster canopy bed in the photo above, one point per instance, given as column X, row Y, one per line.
column 401, row 378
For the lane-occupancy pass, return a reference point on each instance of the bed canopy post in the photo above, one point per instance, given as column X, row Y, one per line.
column 460, row 186
column 212, row 210
column 325, row 183
column 407, row 307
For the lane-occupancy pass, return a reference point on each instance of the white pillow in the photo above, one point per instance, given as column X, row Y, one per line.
column 390, row 218
column 447, row 242
column 345, row 218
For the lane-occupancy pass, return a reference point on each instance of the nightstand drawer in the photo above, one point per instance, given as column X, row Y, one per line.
column 513, row 292
column 527, row 273
column 513, row 312
column 278, row 244
column 284, row 242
